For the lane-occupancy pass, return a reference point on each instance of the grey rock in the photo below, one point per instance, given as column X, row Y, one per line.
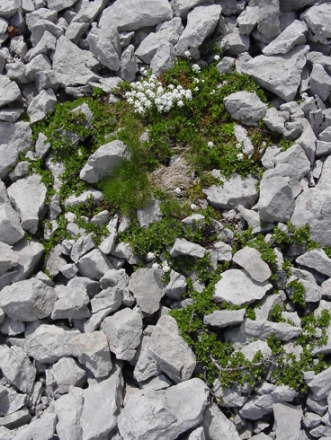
column 40, row 14
column 292, row 36
column 123, row 331
column 250, row 350
column 248, row 19
column 100, row 219
column 41, row 105
column 318, row 20
column 223, row 251
column 16, row 420
column 72, row 303
column 237, row 288
column 69, row 270
column 256, row 407
column 94, row 265
column 150, row 214
column 165, row 413
column 326, row 289
column 245, row 107
column 182, row 7
column 91, row 350
column 103, row 304
column 81, row 247
column 280, row 74
column 176, row 286
column 307, row 141
column 250, row 260
column 235, row 43
column 283, row 393
column 201, row 22
column 55, row 261
column 73, row 65
column 59, row 5
column 104, row 45
column 68, row 409
column 73, row 200
column 184, row 247
column 316, row 405
column 146, row 286
column 146, row 367
column 11, row 327
column 64, row 374
column 128, row 64
column 287, row 421
column 311, row 420
column 269, row 24
column 197, row 434
column 224, row 318
column 30, row 255
column 8, row 258
column 317, row 260
column 28, row 196
column 294, row 5
column 42, row 428
column 320, row 82
column 168, row 31
column 46, row 80
column 324, row 182
column 141, row 14
column 171, row 353
column 263, row 329
column 313, row 291
column 104, row 161
column 28, row 300
column 234, row 192
column 242, row 137
column 45, row 46
column 7, row 9
column 226, row 65
column 323, row 148
column 10, row 114
column 276, row 201
column 163, row 59
column 312, row 207
column 215, row 423
column 49, row 343
column 102, row 403
column 10, row 401
column 88, row 11
column 230, row 7
column 17, row 368
column 39, row 63
column 21, row 170
column 124, row 251
column 268, row 159
column 9, row 91
column 75, row 31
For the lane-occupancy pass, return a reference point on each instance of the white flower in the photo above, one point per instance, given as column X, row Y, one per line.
column 171, row 86
column 196, row 80
column 155, row 266
column 240, row 156
column 150, row 256
column 187, row 54
column 217, row 57
column 165, row 266
column 130, row 101
column 180, row 103
column 196, row 89
column 179, row 87
column 196, row 68
column 210, row 144
column 238, row 145
column 188, row 94
column 194, row 206
column 178, row 190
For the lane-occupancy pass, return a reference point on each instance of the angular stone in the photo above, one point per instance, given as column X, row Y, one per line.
column 104, row 45
column 235, row 43
column 250, row 350
column 263, row 329
column 236, row 287
column 88, row 11
column 94, row 265
column 318, row 19
column 123, row 331
column 40, row 63
column 245, row 107
column 41, row 105
column 102, row 403
column 44, row 46
column 269, row 24
column 287, row 421
column 49, row 343
column 93, row 194
column 280, row 74
column 313, row 207
column 59, row 5
column 81, row 247
column 242, row 138
column 42, row 428
column 17, row 368
column 73, row 65
column 165, row 413
column 146, row 286
column 141, row 15
column 8, row 258
column 216, row 425
column 184, row 247
column 16, row 420
column 250, row 260
column 276, row 201
column 28, row 197
column 75, row 31
column 9, row 91
column 223, row 250
column 72, row 303
column 11, row 327
column 68, row 409
column 104, row 161
column 164, row 58
column 10, row 401
column 317, row 260
column 234, row 192
column 91, row 350
column 292, row 36
column 171, row 353
column 313, row 291
column 201, row 22
column 257, row 407
column 128, row 64
column 176, row 286
column 64, row 374
column 30, row 254
column 28, row 300
column 248, row 20
column 224, row 318
column 150, row 214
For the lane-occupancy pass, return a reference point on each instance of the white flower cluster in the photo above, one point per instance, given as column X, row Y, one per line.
column 145, row 94
column 164, row 266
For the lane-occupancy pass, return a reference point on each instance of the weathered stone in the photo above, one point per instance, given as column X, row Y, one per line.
column 250, row 350
column 71, row 303
column 256, row 407
column 237, row 288
column 94, row 265
column 235, row 43
column 263, row 329
column 224, row 318
column 104, row 45
column 128, row 64
column 141, row 15
column 44, row 46
column 165, row 413
column 10, row 401
column 269, row 24
column 12, row 327
column 171, row 353
column 28, row 300
column 123, row 331
column 150, row 214
column 81, row 247
column 318, row 20
column 93, row 194
column 146, row 286
column 146, row 367
column 201, row 22
column 176, row 286
column 49, row 343
column 242, row 138
column 313, row 291
column 317, row 260
column 8, row 258
column 28, row 197
column 292, row 36
column 64, row 374
column 223, row 250
column 248, row 20
column 287, row 421
column 216, row 424
column 276, row 201
column 17, row 368
column 280, row 74
column 184, row 247
column 59, row 5
column 250, row 260
column 234, row 192
column 68, row 409
column 245, row 107
column 41, row 105
column 9, row 91
column 164, row 58
column 91, row 350
column 16, row 420
column 39, row 63
column 102, row 403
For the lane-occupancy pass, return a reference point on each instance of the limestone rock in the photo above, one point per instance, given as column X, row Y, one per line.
column 41, row 105
column 94, row 265
column 317, row 260
column 250, row 260
column 216, row 424
column 103, row 44
column 287, row 421
column 9, row 91
column 224, row 318
column 236, row 287
column 146, row 286
column 269, row 24
column 68, row 409
column 8, row 258
column 318, row 19
column 263, row 329
column 276, row 201
column 245, row 107
column 184, row 247
column 64, row 374
column 292, row 36
column 71, row 303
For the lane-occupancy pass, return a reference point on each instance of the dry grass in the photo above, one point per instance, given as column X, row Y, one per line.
column 167, row 179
